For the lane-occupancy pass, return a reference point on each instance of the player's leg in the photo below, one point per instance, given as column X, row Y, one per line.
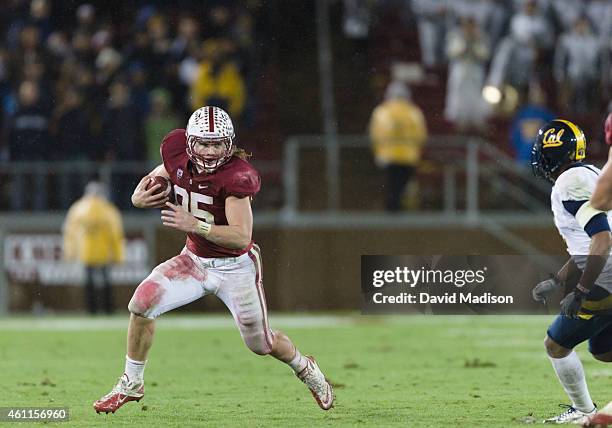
column 242, row 292
column 562, row 336
column 600, row 345
column 605, row 357
column 173, row 283
column 139, row 340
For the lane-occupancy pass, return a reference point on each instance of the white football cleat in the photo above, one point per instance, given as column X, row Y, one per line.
column 570, row 416
column 125, row 391
column 320, row 388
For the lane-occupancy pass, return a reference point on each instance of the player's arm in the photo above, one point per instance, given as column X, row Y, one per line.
column 236, row 235
column 567, row 276
column 599, row 252
column 595, row 224
column 569, row 272
column 602, row 196
column 145, row 198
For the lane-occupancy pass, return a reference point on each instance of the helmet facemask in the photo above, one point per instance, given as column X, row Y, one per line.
column 209, row 126
column 546, row 168
column 209, row 162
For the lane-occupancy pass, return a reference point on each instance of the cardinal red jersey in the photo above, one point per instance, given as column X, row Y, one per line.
column 202, row 194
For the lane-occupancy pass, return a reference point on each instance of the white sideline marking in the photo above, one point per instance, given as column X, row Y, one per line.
column 176, row 322
column 206, row 322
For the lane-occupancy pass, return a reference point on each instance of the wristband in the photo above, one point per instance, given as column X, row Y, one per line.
column 203, row 228
column 582, row 289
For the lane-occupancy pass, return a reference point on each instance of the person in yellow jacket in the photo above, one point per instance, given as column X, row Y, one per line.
column 398, row 132
column 218, row 80
column 93, row 236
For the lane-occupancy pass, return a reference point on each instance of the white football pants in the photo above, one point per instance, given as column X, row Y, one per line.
column 237, row 281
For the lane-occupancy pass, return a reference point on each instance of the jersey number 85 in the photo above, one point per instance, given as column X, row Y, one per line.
column 190, row 203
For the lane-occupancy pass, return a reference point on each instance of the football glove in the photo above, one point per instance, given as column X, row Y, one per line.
column 570, row 305
column 545, row 289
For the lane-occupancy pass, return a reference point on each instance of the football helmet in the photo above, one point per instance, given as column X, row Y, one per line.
column 208, row 125
column 558, row 143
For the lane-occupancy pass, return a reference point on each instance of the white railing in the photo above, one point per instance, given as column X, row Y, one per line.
column 473, row 160
column 63, row 181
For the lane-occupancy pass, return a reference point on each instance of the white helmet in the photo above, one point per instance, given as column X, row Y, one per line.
column 209, row 124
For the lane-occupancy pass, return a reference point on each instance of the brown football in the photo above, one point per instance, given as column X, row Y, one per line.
column 164, row 182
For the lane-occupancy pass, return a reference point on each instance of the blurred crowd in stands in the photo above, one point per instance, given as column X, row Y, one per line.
column 532, row 58
column 517, row 44
column 497, row 69
column 105, row 80
column 101, row 86
column 87, row 83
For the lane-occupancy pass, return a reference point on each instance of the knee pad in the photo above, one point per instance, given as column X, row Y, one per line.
column 147, row 295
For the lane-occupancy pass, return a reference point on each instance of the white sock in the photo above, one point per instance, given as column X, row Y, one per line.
column 134, row 369
column 571, row 375
column 299, row 362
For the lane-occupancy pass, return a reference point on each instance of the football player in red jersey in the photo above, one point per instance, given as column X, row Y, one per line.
column 213, row 185
column 602, row 195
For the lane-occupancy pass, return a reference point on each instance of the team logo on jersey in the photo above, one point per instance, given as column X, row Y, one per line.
column 552, row 139
column 179, row 173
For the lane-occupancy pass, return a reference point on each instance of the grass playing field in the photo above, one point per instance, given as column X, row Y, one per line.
column 400, row 371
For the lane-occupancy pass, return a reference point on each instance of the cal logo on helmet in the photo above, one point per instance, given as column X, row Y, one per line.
column 552, row 137
column 558, row 143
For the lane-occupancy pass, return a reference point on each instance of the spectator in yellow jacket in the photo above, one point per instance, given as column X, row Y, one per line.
column 93, row 236
column 218, row 80
column 398, row 133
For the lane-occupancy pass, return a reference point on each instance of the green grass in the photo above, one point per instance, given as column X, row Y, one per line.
column 402, row 371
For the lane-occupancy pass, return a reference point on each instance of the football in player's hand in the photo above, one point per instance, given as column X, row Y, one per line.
column 164, row 185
